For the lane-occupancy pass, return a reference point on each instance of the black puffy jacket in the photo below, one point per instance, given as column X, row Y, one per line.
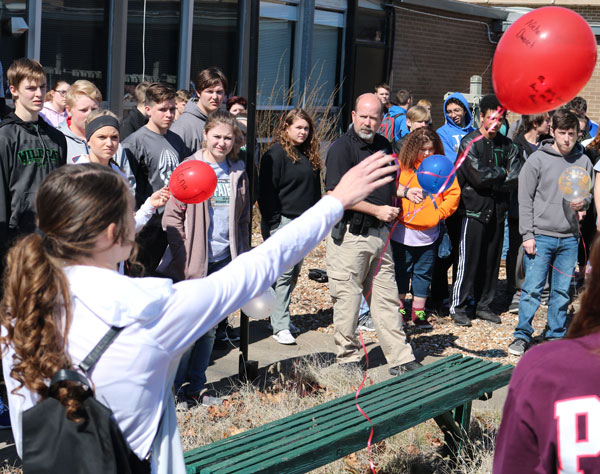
column 486, row 177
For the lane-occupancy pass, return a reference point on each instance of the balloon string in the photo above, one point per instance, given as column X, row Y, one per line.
column 566, row 274
column 369, row 441
column 494, row 120
column 377, row 268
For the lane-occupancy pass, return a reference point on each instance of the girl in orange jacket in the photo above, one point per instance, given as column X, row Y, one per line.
column 416, row 236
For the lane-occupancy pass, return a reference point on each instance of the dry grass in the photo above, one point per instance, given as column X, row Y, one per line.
column 312, row 381
column 5, row 469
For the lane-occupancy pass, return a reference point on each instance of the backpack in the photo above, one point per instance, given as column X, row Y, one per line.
column 386, row 128
column 54, row 444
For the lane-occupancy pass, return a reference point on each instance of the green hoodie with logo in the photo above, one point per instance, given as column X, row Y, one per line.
column 29, row 151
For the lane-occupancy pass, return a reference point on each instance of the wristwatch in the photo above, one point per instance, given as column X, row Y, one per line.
column 406, row 192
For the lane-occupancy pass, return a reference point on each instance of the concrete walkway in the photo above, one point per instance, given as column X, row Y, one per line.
column 223, row 369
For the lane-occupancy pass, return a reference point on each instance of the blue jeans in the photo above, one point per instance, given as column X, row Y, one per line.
column 194, row 362
column 415, row 262
column 561, row 253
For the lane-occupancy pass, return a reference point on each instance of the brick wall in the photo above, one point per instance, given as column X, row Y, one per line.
column 434, row 55
column 590, row 13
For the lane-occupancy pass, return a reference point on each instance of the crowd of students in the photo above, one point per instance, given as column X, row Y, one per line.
column 500, row 180
column 513, row 182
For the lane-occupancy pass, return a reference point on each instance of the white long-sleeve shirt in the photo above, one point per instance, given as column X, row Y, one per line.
column 161, row 321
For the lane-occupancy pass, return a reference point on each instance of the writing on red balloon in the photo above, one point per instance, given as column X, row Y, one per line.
column 541, row 92
column 181, row 179
column 531, row 26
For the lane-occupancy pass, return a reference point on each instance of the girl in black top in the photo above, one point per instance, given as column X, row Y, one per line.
column 289, row 183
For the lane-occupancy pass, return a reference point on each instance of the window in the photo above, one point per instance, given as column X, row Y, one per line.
column 151, row 54
column 13, row 47
column 215, row 40
column 275, row 53
column 371, row 51
column 326, row 55
column 74, row 41
column 371, row 28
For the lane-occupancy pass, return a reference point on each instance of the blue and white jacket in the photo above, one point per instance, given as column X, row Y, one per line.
column 450, row 133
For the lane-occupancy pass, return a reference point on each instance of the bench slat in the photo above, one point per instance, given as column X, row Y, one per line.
column 351, row 435
column 419, row 379
column 338, row 425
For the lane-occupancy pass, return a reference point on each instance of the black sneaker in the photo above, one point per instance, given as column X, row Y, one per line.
column 461, row 319
column 402, row 369
column 518, row 347
column 488, row 315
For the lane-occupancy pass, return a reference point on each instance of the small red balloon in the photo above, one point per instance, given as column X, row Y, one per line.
column 193, row 181
column 543, row 60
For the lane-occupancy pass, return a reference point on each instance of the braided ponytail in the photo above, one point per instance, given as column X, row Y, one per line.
column 74, row 204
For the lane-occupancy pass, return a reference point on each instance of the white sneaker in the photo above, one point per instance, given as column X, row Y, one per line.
column 284, row 337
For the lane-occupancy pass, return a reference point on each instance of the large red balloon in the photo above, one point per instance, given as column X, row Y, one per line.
column 193, row 181
column 543, row 60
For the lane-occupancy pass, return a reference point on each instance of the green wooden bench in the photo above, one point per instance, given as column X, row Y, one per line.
column 299, row 443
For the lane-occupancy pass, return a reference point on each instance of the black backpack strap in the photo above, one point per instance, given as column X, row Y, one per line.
column 69, row 375
column 91, row 359
column 88, row 363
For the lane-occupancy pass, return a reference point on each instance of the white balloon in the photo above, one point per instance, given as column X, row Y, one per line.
column 261, row 306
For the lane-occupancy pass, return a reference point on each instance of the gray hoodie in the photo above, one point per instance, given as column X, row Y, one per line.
column 190, row 126
column 542, row 208
column 75, row 146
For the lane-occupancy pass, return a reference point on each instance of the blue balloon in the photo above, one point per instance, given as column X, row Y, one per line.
column 435, row 170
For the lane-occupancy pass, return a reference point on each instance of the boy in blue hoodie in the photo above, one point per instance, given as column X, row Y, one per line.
column 459, row 122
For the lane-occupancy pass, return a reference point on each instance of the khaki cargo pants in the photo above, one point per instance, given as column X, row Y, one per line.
column 350, row 268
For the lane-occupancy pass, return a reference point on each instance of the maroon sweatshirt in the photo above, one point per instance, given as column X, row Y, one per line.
column 551, row 419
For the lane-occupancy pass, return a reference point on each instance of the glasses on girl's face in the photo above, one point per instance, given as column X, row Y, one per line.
column 63, row 93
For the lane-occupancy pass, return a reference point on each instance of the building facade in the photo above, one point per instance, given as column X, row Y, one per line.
column 338, row 48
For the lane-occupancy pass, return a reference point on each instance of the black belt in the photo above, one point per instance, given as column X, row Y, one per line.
column 359, row 223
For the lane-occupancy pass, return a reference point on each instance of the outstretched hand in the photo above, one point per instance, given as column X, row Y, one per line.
column 160, row 197
column 361, row 180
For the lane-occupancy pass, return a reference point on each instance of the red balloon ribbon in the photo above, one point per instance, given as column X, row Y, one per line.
column 371, row 464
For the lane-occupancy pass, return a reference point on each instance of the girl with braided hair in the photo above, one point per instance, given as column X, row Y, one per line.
column 62, row 293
